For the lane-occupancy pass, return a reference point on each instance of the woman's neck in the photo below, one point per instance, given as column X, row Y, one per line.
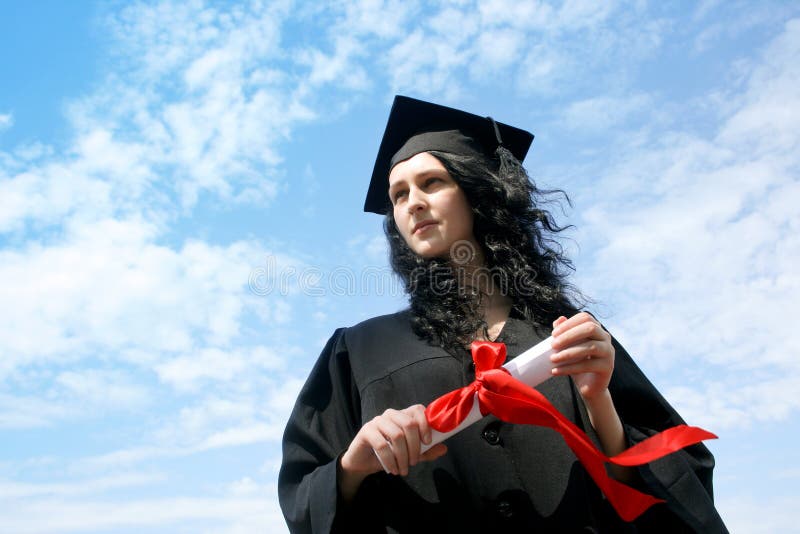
column 495, row 303
column 496, row 308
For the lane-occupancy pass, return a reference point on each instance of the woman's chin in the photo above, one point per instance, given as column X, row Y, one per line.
column 429, row 251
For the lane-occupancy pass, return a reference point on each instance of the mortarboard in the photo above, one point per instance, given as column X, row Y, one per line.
column 416, row 126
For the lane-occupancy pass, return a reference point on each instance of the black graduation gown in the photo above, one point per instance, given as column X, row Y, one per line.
column 495, row 477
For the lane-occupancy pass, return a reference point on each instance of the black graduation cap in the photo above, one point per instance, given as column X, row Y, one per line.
column 416, row 126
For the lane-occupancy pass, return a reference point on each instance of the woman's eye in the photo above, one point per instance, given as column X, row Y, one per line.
column 398, row 195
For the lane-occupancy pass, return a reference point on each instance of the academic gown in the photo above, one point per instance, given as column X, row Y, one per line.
column 495, row 477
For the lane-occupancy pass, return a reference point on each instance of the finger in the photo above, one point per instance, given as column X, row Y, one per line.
column 588, row 330
column 380, row 441
column 409, row 421
column 411, row 430
column 582, row 351
column 558, row 321
column 575, row 320
column 383, row 452
column 592, row 365
column 577, row 324
column 417, row 412
column 395, row 435
column 418, row 432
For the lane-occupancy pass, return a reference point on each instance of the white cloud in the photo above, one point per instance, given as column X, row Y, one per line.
column 530, row 15
column 724, row 24
column 43, row 398
column 381, row 18
column 368, row 249
column 766, row 124
column 603, row 113
column 283, row 397
column 102, row 388
column 199, row 102
column 755, row 514
column 708, row 233
column 19, row 490
column 252, row 410
column 18, row 411
column 543, row 69
column 377, row 249
column 201, row 105
column 577, row 14
column 738, row 403
column 424, row 63
column 188, row 371
column 226, row 513
column 47, row 194
column 244, row 435
column 108, row 286
column 6, row 121
column 341, row 67
column 496, row 51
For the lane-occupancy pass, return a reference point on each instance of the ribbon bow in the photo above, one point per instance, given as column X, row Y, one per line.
column 512, row 401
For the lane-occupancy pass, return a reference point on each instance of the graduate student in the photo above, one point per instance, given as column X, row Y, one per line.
column 474, row 245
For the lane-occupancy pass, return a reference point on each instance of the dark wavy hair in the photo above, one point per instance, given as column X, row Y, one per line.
column 518, row 239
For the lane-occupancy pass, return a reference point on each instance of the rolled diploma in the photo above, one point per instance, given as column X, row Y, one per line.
column 532, row 367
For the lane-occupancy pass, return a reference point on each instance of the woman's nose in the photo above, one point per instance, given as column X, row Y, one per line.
column 416, row 200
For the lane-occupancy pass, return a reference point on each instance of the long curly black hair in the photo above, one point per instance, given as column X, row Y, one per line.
column 518, row 240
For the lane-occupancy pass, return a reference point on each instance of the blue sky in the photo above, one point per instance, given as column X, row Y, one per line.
column 181, row 230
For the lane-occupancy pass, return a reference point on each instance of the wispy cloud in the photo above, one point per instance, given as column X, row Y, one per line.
column 736, row 402
column 226, row 513
column 604, row 113
column 106, row 311
column 76, row 488
column 187, row 372
column 6, row 121
column 116, row 299
column 107, row 285
column 759, row 515
column 706, row 228
column 522, row 41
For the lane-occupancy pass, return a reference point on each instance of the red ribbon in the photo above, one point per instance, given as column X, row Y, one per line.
column 515, row 402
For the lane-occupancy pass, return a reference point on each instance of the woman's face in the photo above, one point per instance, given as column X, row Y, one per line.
column 430, row 209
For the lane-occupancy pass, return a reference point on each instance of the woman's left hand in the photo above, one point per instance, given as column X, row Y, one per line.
column 583, row 350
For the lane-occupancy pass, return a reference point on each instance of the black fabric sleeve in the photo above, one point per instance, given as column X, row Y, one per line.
column 683, row 479
column 323, row 422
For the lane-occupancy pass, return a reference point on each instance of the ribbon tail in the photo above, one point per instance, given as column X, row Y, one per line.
column 514, row 402
column 661, row 444
column 628, row 502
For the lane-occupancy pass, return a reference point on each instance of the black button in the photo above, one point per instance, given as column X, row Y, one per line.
column 505, row 510
column 491, row 435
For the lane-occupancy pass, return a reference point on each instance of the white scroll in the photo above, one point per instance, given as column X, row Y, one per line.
column 532, row 367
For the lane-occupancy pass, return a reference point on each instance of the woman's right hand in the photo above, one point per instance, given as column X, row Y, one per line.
column 396, row 436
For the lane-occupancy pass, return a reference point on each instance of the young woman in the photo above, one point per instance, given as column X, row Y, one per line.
column 473, row 244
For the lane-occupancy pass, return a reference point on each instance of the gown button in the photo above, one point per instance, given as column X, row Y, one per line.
column 505, row 510
column 491, row 435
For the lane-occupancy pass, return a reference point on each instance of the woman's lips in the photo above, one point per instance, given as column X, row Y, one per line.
column 423, row 225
